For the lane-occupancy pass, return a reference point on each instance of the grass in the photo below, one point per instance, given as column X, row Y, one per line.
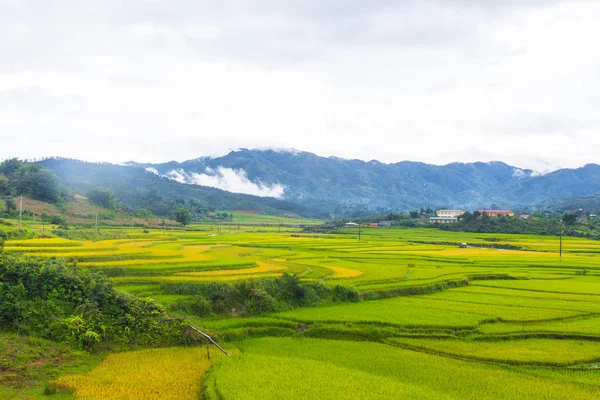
column 27, row 364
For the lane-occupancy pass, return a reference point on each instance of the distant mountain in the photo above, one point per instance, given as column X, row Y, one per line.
column 336, row 184
column 294, row 181
column 138, row 188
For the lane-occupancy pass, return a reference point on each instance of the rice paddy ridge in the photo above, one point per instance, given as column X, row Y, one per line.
column 473, row 313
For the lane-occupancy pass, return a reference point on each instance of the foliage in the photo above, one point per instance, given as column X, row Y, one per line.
column 21, row 178
column 4, row 186
column 477, row 222
column 28, row 363
column 103, row 197
column 144, row 214
column 183, row 216
column 569, row 218
column 53, row 300
column 256, row 296
column 57, row 219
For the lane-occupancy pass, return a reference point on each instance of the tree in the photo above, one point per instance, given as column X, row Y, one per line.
column 144, row 214
column 11, row 204
column 569, row 218
column 2, row 239
column 103, row 197
column 44, row 185
column 183, row 216
column 4, row 186
column 414, row 214
column 10, row 167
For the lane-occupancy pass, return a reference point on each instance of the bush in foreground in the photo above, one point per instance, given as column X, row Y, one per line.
column 55, row 301
column 256, row 296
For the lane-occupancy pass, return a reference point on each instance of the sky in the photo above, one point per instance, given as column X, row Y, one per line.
column 432, row 81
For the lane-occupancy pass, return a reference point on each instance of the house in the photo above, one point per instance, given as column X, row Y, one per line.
column 327, row 226
column 449, row 213
column 442, row 220
column 385, row 224
column 351, row 225
column 497, row 213
column 524, row 216
column 463, row 245
column 374, row 225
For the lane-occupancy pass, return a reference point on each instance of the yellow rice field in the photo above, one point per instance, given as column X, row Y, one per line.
column 161, row 374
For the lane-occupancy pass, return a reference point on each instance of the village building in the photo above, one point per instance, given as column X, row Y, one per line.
column 442, row 220
column 351, row 225
column 497, row 213
column 327, row 226
column 449, row 213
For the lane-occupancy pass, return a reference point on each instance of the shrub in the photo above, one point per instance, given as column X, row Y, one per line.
column 58, row 220
column 60, row 302
column 257, row 296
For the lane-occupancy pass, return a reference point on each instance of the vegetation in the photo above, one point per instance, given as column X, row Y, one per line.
column 252, row 297
column 327, row 369
column 169, row 373
column 55, row 301
column 183, row 216
column 20, row 178
column 538, row 225
column 103, row 197
column 317, row 308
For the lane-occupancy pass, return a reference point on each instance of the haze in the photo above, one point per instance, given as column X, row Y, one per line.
column 432, row 81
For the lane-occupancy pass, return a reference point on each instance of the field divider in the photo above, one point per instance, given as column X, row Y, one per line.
column 492, row 361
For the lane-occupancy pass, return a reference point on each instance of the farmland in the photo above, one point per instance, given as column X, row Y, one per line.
column 419, row 317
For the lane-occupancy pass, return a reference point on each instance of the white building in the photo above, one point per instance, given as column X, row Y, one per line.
column 351, row 225
column 449, row 213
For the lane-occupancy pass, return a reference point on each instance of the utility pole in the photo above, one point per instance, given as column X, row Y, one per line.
column 561, row 235
column 21, row 214
column 359, row 232
column 96, row 226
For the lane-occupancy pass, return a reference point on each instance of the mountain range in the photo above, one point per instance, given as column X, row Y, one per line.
column 329, row 182
column 297, row 181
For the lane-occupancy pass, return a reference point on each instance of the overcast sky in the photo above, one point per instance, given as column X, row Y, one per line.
column 433, row 81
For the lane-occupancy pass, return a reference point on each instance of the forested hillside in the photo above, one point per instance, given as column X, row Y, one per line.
column 137, row 189
column 341, row 185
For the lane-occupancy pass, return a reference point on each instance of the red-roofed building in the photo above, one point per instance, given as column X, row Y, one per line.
column 497, row 213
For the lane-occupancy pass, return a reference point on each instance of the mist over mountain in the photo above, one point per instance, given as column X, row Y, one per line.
column 332, row 182
column 278, row 181
column 138, row 188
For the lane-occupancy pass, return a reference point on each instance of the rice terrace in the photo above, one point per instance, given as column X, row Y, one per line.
column 402, row 313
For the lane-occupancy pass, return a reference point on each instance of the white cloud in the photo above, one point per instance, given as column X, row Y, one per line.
column 177, row 175
column 152, row 170
column 424, row 80
column 236, row 181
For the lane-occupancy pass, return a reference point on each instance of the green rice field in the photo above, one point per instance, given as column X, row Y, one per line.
column 505, row 318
